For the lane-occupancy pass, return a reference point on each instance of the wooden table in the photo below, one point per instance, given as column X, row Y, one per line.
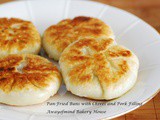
column 149, row 11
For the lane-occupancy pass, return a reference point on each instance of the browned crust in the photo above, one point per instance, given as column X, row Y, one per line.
column 99, row 62
column 36, row 73
column 69, row 30
column 17, row 34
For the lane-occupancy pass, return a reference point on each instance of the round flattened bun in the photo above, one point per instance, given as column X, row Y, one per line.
column 98, row 69
column 57, row 37
column 27, row 79
column 18, row 36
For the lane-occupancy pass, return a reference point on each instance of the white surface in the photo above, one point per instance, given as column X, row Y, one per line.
column 130, row 31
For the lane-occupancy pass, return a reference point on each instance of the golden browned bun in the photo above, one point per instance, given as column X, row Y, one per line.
column 57, row 37
column 18, row 36
column 98, row 69
column 27, row 79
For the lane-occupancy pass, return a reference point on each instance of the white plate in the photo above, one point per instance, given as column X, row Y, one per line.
column 130, row 31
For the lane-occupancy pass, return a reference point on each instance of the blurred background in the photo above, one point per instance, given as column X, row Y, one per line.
column 149, row 11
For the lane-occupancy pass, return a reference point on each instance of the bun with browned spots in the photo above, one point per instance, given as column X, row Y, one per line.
column 27, row 79
column 18, row 36
column 98, row 69
column 57, row 37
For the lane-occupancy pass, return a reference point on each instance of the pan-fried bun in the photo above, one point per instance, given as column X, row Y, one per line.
column 57, row 37
column 27, row 79
column 18, row 36
column 98, row 69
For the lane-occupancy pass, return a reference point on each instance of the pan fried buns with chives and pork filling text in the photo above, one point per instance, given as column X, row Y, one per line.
column 98, row 69
column 18, row 36
column 27, row 79
column 57, row 37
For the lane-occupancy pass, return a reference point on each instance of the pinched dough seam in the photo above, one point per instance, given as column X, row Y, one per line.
column 13, row 82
